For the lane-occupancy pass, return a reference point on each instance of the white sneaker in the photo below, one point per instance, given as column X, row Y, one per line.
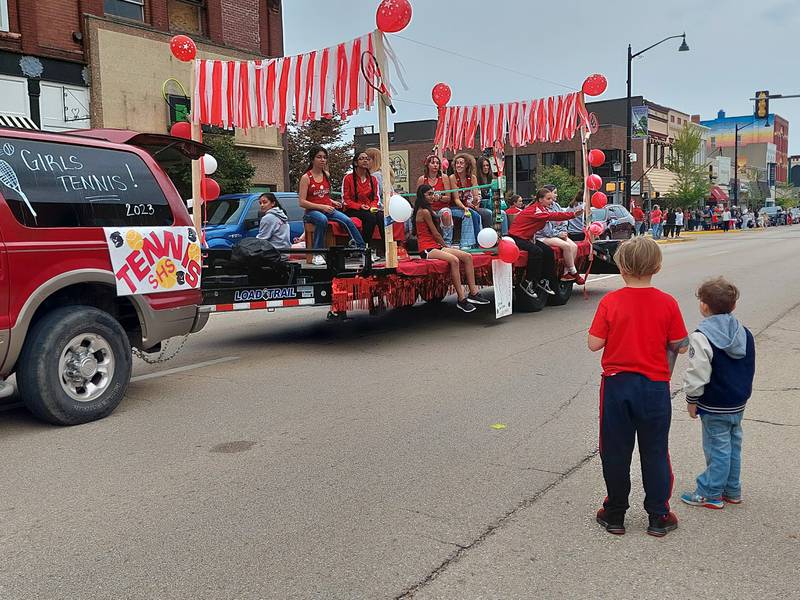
column 319, row 260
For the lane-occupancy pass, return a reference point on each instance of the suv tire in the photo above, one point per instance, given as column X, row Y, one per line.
column 563, row 293
column 524, row 303
column 75, row 366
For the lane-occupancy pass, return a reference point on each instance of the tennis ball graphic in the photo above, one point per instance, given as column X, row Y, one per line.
column 134, row 239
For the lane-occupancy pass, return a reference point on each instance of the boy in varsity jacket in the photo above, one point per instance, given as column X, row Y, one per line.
column 718, row 383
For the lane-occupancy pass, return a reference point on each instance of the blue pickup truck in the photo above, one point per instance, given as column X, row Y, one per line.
column 236, row 216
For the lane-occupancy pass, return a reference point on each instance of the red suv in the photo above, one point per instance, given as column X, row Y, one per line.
column 64, row 330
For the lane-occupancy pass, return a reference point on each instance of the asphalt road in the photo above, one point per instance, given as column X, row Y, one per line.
column 281, row 456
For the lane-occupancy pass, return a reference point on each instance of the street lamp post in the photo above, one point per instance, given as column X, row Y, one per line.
column 682, row 48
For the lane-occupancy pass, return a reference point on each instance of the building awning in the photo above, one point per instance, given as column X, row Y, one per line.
column 17, row 122
column 717, row 193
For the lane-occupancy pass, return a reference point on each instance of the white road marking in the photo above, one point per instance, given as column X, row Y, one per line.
column 184, row 368
column 720, row 253
column 603, row 277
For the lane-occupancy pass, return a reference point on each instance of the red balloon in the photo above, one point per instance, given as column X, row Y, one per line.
column 594, row 85
column 181, row 129
column 183, row 48
column 596, row 157
column 209, row 189
column 507, row 250
column 393, row 15
column 599, row 200
column 441, row 94
column 594, row 182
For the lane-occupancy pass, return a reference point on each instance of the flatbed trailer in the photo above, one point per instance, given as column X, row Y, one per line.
column 350, row 280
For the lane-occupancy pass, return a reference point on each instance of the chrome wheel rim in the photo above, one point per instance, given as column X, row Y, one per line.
column 86, row 367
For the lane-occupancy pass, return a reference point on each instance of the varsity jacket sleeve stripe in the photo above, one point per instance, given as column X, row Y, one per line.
column 699, row 372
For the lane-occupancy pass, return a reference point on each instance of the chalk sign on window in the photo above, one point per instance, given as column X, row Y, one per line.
column 49, row 184
column 148, row 260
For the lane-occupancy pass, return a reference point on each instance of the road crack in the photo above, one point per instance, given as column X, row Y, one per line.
column 491, row 529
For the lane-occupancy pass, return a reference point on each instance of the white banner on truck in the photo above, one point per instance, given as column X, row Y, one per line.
column 149, row 260
column 503, row 288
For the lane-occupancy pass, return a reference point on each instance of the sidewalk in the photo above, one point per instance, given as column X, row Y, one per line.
column 554, row 549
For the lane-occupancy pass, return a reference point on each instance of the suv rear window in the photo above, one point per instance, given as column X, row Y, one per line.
column 79, row 186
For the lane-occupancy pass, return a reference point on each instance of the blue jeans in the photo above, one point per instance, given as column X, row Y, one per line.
column 320, row 222
column 722, row 445
column 658, row 228
column 469, row 228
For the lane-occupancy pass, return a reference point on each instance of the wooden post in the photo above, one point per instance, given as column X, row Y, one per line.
column 197, row 173
column 383, row 135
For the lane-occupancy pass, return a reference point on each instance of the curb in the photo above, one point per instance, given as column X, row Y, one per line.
column 664, row 242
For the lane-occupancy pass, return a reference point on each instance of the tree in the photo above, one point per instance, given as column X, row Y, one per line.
column 756, row 197
column 327, row 133
column 691, row 185
column 567, row 184
column 786, row 195
column 234, row 170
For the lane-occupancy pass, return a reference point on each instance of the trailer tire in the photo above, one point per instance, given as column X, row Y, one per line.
column 563, row 292
column 524, row 303
column 75, row 366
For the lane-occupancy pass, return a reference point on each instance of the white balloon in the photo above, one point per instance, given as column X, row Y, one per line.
column 399, row 209
column 209, row 164
column 487, row 237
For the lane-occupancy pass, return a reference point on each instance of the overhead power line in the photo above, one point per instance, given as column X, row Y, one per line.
column 486, row 63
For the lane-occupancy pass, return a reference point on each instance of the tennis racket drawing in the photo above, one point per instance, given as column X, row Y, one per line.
column 374, row 78
column 9, row 179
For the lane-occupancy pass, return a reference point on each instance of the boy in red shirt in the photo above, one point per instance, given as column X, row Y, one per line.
column 634, row 394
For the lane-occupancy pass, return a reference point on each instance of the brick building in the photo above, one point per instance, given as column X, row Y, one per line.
column 70, row 64
column 650, row 179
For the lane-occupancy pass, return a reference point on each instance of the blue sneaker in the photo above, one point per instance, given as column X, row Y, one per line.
column 695, row 499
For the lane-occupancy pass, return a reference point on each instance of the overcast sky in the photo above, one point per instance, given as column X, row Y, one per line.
column 737, row 47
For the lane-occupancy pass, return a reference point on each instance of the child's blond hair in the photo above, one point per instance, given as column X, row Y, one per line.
column 638, row 257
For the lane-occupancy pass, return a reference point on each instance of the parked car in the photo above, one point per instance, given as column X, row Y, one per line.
column 64, row 330
column 619, row 222
column 776, row 215
column 236, row 216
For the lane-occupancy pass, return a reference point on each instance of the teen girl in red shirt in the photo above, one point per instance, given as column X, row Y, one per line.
column 432, row 245
column 360, row 197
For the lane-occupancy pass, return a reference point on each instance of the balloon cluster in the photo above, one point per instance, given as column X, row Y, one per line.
column 209, row 189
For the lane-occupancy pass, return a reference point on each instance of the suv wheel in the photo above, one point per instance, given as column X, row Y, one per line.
column 75, row 366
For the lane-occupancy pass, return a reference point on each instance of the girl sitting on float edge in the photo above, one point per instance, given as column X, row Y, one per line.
column 361, row 195
column 441, row 203
column 315, row 197
column 432, row 245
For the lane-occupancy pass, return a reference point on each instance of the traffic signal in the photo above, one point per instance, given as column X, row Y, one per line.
column 762, row 104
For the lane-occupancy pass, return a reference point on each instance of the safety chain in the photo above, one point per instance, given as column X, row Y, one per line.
column 161, row 357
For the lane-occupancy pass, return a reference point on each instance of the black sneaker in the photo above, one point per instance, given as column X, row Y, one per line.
column 529, row 288
column 465, row 306
column 614, row 524
column 544, row 285
column 477, row 299
column 661, row 525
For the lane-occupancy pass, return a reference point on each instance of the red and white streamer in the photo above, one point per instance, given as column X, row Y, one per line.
column 274, row 92
column 552, row 119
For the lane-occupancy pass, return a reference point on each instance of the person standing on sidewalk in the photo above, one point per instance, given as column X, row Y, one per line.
column 634, row 393
column 638, row 220
column 718, row 383
column 678, row 221
column 726, row 220
column 655, row 221
column 669, row 223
